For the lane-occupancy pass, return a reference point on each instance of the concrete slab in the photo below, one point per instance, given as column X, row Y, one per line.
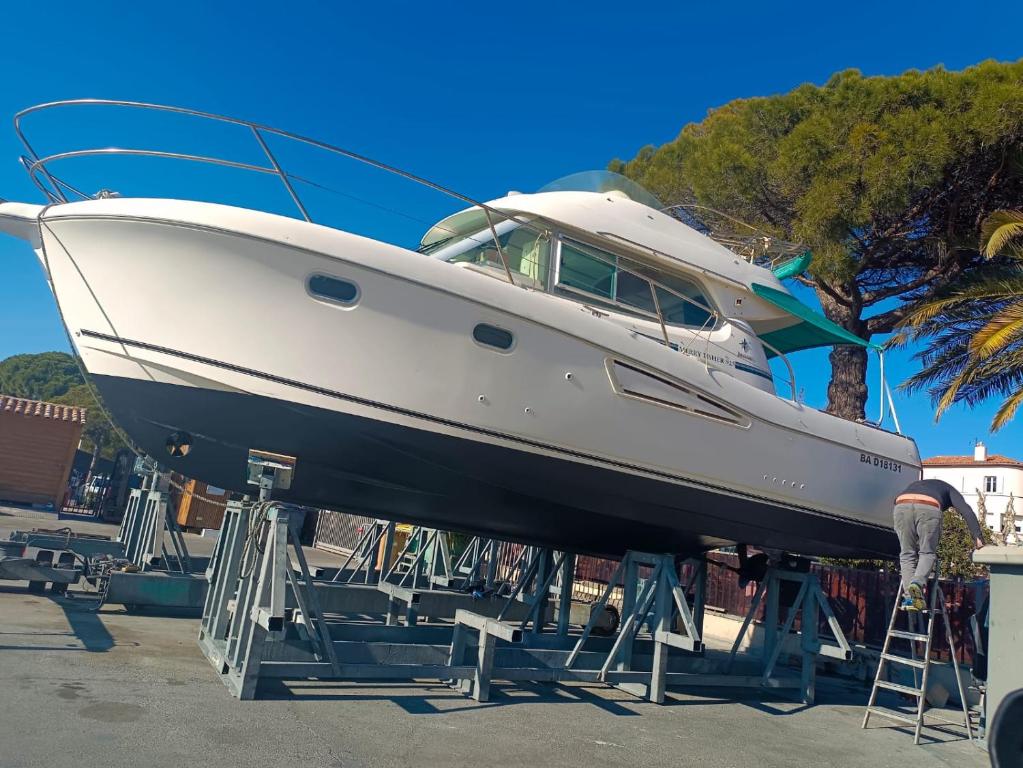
column 119, row 689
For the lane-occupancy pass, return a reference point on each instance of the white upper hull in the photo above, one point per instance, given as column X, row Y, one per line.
column 229, row 285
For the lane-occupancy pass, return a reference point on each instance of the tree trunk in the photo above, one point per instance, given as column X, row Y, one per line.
column 847, row 391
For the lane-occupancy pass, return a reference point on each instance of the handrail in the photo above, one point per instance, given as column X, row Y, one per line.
column 37, row 167
column 257, row 129
column 886, row 395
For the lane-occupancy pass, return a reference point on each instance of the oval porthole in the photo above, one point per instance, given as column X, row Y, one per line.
column 492, row 336
column 334, row 289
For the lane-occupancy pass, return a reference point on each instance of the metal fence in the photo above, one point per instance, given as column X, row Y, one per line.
column 862, row 600
column 338, row 531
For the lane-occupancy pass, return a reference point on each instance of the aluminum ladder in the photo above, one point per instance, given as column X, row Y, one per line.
column 921, row 665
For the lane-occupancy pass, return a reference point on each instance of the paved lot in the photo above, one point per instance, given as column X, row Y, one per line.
column 116, row 689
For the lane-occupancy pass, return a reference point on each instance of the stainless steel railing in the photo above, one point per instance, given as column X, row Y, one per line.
column 56, row 190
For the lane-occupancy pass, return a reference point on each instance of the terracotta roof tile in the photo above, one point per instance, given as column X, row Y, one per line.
column 995, row 459
column 30, row 408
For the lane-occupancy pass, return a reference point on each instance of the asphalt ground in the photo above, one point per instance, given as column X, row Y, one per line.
column 132, row 689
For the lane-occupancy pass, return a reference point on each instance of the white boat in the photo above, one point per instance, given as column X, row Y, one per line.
column 600, row 381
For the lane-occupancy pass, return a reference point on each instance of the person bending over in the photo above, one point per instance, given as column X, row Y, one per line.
column 918, row 512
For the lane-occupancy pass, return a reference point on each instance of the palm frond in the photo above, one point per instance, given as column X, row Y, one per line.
column 1007, row 410
column 999, row 376
column 1003, row 329
column 1003, row 283
column 974, row 329
column 949, row 397
column 999, row 230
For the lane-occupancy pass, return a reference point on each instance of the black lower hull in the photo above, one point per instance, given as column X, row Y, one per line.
column 378, row 468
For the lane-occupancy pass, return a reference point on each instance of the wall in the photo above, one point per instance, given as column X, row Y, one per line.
column 37, row 447
column 969, row 479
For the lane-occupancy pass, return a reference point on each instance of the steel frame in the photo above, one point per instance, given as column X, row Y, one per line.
column 267, row 618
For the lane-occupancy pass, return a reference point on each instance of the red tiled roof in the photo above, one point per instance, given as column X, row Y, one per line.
column 23, row 407
column 969, row 461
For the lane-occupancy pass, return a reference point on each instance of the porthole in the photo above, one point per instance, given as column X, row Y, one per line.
column 492, row 336
column 334, row 289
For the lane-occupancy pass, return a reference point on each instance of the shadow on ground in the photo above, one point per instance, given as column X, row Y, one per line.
column 428, row 696
column 85, row 624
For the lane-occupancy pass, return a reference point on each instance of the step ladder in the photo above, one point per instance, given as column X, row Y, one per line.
column 920, row 664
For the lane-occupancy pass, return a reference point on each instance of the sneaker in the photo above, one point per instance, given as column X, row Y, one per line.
column 916, row 594
column 908, row 604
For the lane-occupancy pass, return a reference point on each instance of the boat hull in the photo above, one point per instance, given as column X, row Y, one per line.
column 581, row 435
column 377, row 468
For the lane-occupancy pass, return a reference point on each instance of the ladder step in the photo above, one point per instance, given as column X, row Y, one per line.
column 918, row 663
column 893, row 714
column 907, row 689
column 909, row 635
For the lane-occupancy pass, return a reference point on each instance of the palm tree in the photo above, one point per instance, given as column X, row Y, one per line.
column 975, row 328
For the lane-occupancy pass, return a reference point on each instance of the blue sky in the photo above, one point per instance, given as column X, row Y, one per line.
column 483, row 98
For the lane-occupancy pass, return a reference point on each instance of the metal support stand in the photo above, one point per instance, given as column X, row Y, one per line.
column 235, row 637
column 148, row 564
column 147, row 524
column 375, row 541
column 469, row 569
column 792, row 590
column 265, row 618
column 162, row 572
column 650, row 601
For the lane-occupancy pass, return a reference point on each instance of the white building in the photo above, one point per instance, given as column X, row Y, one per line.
column 996, row 477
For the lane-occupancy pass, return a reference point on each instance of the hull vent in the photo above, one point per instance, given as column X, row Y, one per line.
column 635, row 382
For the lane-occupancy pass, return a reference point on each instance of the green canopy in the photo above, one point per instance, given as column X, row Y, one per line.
column 815, row 330
column 794, row 266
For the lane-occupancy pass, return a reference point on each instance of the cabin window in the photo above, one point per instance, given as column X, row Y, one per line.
column 588, row 272
column 621, row 282
column 492, row 336
column 634, row 290
column 527, row 251
column 679, row 311
column 334, row 289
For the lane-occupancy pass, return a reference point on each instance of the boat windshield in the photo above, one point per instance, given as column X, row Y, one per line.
column 526, row 249
column 603, row 181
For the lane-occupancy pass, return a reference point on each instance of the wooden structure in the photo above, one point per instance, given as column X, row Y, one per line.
column 37, row 447
column 199, row 505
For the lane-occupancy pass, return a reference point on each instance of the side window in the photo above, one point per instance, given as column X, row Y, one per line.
column 528, row 254
column 677, row 310
column 635, row 291
column 587, row 272
column 604, row 276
